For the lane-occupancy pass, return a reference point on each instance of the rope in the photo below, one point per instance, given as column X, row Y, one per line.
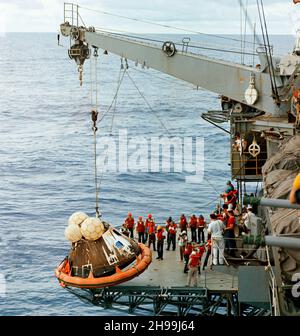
column 147, row 103
column 94, row 119
column 162, row 25
column 197, row 45
column 94, row 116
column 112, row 121
column 114, row 98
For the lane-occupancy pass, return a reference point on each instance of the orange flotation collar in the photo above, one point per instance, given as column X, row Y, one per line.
column 65, row 278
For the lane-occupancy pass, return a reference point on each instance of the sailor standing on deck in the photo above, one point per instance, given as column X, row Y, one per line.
column 172, row 236
column 183, row 223
column 129, row 222
column 168, row 223
column 148, row 221
column 250, row 221
column 140, row 228
column 160, row 242
column 216, row 228
column 229, row 236
column 186, row 254
column 201, row 225
column 152, row 236
column 193, row 227
column 182, row 241
column 193, row 265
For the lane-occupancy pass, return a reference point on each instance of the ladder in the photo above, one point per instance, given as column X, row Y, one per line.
column 71, row 13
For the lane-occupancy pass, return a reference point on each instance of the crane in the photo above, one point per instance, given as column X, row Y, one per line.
column 261, row 102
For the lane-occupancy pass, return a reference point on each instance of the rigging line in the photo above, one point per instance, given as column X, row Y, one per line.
column 245, row 29
column 162, row 25
column 248, row 19
column 111, row 126
column 248, row 53
column 115, row 104
column 265, row 46
column 91, row 79
column 213, row 187
column 94, row 119
column 269, row 46
column 95, row 172
column 241, row 29
column 147, row 103
column 254, row 33
column 257, row 40
column 134, row 35
column 211, row 122
column 115, row 97
column 209, row 203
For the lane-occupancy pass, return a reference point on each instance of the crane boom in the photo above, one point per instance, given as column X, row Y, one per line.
column 222, row 77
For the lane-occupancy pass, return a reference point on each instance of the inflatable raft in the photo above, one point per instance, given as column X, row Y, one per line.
column 107, row 259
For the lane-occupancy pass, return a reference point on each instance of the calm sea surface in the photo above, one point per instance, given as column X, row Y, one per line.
column 46, row 160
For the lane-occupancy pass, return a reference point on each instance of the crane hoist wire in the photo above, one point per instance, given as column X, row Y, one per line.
column 94, row 115
column 114, row 104
column 162, row 25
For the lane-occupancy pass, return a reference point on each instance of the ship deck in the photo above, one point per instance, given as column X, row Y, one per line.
column 168, row 273
column 162, row 289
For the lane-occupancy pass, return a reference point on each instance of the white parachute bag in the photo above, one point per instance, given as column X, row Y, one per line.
column 73, row 233
column 92, row 228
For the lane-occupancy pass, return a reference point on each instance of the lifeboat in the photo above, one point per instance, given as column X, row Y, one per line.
column 108, row 261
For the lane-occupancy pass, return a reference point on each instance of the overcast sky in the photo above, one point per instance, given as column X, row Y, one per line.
column 211, row 16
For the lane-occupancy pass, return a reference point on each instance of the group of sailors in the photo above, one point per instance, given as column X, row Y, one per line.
column 191, row 250
column 195, row 237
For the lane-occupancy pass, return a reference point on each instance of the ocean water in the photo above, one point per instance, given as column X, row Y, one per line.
column 46, row 161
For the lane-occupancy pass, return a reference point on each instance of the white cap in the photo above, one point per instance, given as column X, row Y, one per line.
column 230, row 207
column 249, row 206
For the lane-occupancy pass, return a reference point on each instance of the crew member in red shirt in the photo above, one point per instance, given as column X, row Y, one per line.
column 172, row 236
column 183, row 223
column 230, row 245
column 193, row 227
column 201, row 225
column 186, row 254
column 168, row 223
column 129, row 222
column 193, row 265
column 148, row 221
column 151, row 232
column 140, row 228
column 160, row 242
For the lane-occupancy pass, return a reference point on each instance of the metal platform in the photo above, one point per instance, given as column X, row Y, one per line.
column 163, row 290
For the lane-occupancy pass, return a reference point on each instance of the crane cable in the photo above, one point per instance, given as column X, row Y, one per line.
column 94, row 115
column 267, row 47
column 162, row 25
column 114, row 103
